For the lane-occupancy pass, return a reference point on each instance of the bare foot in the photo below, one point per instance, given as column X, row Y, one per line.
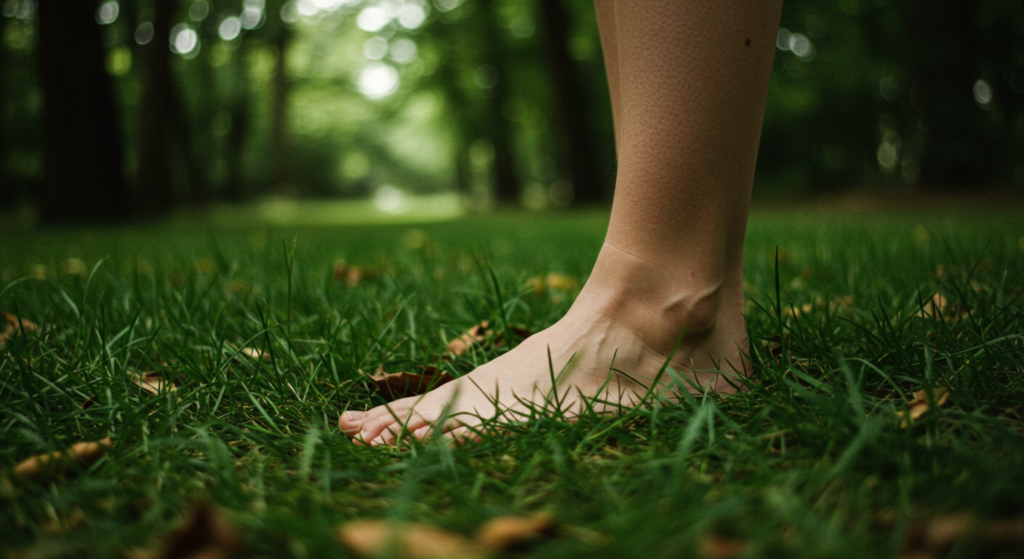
column 610, row 345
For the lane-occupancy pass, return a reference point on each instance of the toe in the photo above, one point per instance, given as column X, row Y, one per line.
column 351, row 421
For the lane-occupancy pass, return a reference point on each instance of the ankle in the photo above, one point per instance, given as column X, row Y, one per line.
column 666, row 303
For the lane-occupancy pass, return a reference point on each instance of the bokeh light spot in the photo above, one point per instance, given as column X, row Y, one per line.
column 389, row 199
column 230, row 28
column 403, row 50
column 375, row 48
column 782, row 42
column 982, row 92
column 486, row 76
column 378, row 80
column 252, row 14
column 108, row 12
column 801, row 46
column 447, row 5
column 199, row 10
column 144, row 33
column 412, row 16
column 372, row 19
column 184, row 39
column 889, row 89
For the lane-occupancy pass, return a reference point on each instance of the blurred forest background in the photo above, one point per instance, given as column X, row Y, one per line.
column 114, row 109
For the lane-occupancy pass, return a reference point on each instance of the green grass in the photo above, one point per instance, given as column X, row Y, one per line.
column 810, row 462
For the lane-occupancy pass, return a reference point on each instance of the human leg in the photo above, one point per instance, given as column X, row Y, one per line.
column 692, row 81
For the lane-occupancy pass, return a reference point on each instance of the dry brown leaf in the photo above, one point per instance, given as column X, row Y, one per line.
column 935, row 307
column 372, row 538
column 88, row 402
column 74, row 266
column 712, row 546
column 484, row 336
column 151, row 382
column 920, row 404
column 14, row 326
column 935, row 537
column 205, row 534
column 70, row 521
column 79, row 455
column 393, row 386
column 515, row 533
column 351, row 274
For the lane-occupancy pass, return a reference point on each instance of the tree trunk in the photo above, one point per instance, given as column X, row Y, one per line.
column 959, row 150
column 578, row 148
column 506, row 179
column 235, row 190
column 154, row 189
column 279, row 126
column 82, row 151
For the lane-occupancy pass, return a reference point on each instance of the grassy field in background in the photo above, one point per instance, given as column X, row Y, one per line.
column 849, row 315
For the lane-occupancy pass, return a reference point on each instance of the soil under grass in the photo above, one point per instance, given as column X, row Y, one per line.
column 849, row 316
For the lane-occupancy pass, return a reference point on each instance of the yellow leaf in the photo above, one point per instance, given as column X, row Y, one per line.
column 253, row 353
column 374, row 538
column 917, row 406
column 514, row 533
column 14, row 326
column 79, row 455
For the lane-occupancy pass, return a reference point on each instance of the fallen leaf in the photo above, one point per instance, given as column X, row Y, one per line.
column 373, row 538
column 484, row 336
column 79, row 455
column 72, row 520
column 206, row 266
column 74, row 266
column 935, row 307
column 253, row 353
column 712, row 546
column 400, row 385
column 935, row 537
column 351, row 274
column 14, row 326
column 515, row 533
column 917, row 406
column 151, row 382
column 88, row 402
column 205, row 534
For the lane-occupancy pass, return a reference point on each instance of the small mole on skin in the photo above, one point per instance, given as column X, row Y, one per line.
column 748, row 42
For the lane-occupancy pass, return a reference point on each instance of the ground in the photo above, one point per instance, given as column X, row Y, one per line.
column 218, row 361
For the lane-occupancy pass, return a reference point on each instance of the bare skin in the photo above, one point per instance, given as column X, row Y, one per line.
column 689, row 81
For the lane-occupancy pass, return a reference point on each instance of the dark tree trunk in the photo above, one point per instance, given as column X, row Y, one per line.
column 154, row 188
column 6, row 181
column 958, row 150
column 197, row 186
column 279, row 126
column 579, row 155
column 235, row 190
column 83, row 177
column 506, row 179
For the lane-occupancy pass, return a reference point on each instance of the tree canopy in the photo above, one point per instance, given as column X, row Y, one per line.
column 132, row 107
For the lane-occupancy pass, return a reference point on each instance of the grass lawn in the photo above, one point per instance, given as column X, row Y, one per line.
column 849, row 316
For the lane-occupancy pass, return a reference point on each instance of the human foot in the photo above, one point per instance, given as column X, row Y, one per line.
column 604, row 353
